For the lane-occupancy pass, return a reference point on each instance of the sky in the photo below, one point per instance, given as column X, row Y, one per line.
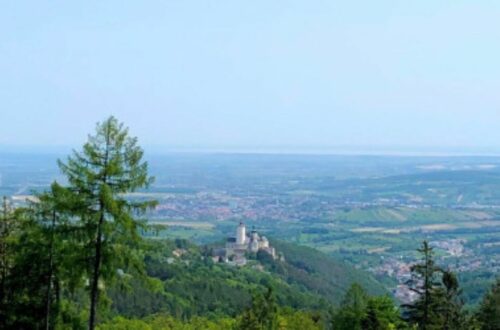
column 253, row 75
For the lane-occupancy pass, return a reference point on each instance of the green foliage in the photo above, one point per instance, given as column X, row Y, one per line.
column 165, row 322
column 262, row 315
column 299, row 320
column 382, row 314
column 360, row 311
column 438, row 304
column 320, row 273
column 489, row 310
column 76, row 257
column 42, row 262
column 452, row 305
column 8, row 224
column 193, row 285
column 352, row 310
column 109, row 166
column 120, row 323
column 28, row 270
column 426, row 310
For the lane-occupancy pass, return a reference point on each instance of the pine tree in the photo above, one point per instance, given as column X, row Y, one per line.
column 452, row 307
column 425, row 311
column 109, row 166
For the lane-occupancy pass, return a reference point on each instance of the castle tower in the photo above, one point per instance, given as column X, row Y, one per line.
column 254, row 235
column 241, row 235
column 264, row 243
column 254, row 246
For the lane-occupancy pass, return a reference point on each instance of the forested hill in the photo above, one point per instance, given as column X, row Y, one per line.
column 322, row 274
column 186, row 282
column 74, row 258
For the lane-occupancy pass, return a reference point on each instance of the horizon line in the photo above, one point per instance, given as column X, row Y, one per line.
column 339, row 150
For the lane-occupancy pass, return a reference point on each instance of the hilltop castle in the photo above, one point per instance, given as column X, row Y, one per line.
column 237, row 247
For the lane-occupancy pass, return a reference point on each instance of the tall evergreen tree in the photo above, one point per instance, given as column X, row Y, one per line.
column 109, row 166
column 452, row 307
column 31, row 278
column 41, row 249
column 425, row 310
column 53, row 216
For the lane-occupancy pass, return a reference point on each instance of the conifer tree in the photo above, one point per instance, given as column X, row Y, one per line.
column 52, row 216
column 425, row 311
column 489, row 310
column 40, row 260
column 452, row 306
column 109, row 166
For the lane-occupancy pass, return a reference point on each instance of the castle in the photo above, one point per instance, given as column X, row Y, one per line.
column 237, row 247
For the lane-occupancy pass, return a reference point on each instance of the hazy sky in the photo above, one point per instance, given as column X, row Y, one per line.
column 253, row 73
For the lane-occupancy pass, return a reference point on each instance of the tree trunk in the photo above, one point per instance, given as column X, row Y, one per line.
column 51, row 271
column 94, row 293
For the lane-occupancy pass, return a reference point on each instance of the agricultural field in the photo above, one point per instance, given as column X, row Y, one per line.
column 370, row 211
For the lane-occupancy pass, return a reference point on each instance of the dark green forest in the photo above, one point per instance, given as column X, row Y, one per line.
column 82, row 256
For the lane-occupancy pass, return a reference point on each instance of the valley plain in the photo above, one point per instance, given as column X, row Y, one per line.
column 371, row 211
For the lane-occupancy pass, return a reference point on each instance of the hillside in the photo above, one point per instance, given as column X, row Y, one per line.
column 185, row 283
column 322, row 274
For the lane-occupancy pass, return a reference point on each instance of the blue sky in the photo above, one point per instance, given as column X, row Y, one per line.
column 253, row 74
